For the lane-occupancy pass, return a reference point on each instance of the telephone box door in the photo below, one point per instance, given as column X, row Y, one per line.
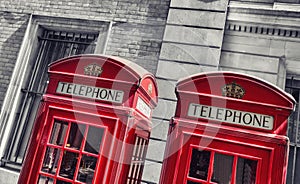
column 214, row 164
column 74, row 147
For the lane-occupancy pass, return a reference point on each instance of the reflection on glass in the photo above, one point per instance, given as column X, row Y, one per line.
column 45, row 180
column 222, row 168
column 62, row 182
column 93, row 139
column 191, row 182
column 246, row 171
column 68, row 165
column 76, row 136
column 50, row 160
column 58, row 132
column 199, row 164
column 87, row 169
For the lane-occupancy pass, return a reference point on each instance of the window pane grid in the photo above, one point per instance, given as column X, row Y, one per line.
column 137, row 162
column 53, row 45
column 67, row 161
column 211, row 167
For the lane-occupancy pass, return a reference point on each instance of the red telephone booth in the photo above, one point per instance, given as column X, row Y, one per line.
column 228, row 128
column 93, row 123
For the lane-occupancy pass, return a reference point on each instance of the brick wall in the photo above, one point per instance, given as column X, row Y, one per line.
column 136, row 32
column 12, row 29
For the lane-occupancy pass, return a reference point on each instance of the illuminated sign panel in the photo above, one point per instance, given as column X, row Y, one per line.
column 92, row 92
column 142, row 106
column 231, row 116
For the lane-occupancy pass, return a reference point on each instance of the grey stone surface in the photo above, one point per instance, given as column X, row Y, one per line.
column 249, row 62
column 8, row 177
column 219, row 5
column 160, row 129
column 190, row 53
column 152, row 171
column 156, row 150
column 166, row 88
column 195, row 36
column 272, row 78
column 175, row 70
column 196, row 18
column 165, row 109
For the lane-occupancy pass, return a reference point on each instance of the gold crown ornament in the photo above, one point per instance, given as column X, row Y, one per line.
column 233, row 90
column 93, row 70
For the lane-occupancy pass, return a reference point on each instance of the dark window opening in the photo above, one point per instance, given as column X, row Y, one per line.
column 293, row 87
column 53, row 45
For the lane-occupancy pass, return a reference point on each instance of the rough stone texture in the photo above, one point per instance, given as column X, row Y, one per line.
column 8, row 177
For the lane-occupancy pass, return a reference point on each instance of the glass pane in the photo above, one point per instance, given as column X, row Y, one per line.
column 62, row 182
column 68, row 165
column 199, row 164
column 50, row 160
column 246, row 171
column 191, row 182
column 76, row 136
column 45, row 180
column 87, row 169
column 222, row 168
column 58, row 132
column 93, row 140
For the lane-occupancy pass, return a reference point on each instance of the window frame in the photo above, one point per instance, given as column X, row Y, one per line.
column 27, row 54
column 294, row 145
column 211, row 164
column 62, row 148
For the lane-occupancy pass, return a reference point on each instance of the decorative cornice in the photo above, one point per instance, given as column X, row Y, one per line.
column 263, row 29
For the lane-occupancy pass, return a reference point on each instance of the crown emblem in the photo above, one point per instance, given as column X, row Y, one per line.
column 93, row 70
column 233, row 90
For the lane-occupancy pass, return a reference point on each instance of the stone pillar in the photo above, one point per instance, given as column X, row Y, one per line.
column 191, row 44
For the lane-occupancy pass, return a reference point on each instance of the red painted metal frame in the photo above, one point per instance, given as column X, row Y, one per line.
column 122, row 122
column 63, row 148
column 268, row 146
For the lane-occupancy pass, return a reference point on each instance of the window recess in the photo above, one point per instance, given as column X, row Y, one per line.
column 52, row 45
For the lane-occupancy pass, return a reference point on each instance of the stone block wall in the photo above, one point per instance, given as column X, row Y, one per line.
column 191, row 44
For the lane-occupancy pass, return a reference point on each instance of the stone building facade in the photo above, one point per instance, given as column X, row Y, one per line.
column 170, row 38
